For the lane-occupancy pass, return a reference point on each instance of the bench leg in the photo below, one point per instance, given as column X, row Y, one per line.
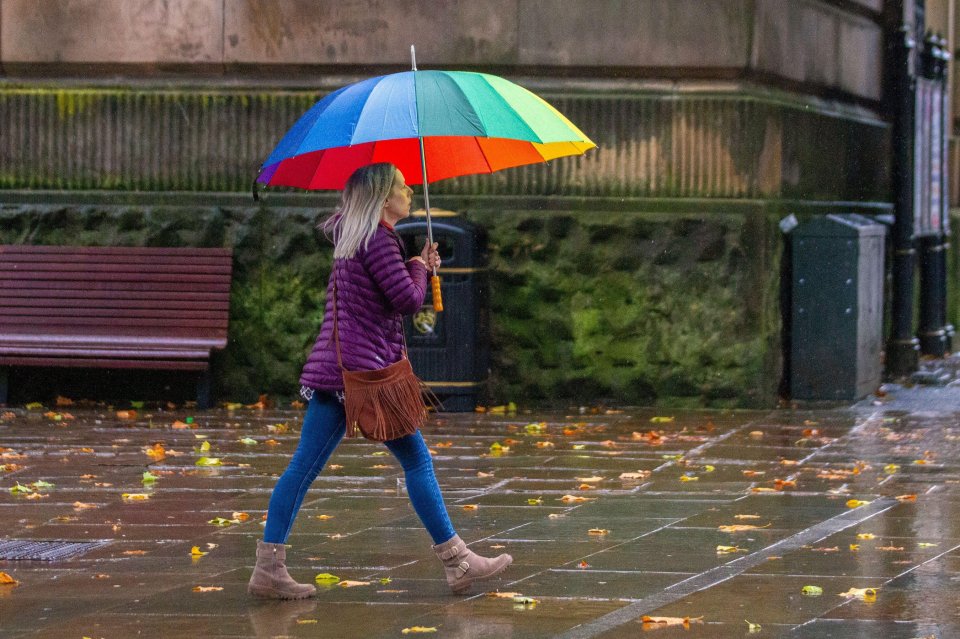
column 204, row 385
column 4, row 384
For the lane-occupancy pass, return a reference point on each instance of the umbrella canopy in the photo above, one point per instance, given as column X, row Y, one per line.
column 469, row 123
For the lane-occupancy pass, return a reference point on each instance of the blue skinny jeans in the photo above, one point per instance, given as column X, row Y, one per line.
column 324, row 425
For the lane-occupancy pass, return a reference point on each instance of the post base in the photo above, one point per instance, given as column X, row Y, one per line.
column 902, row 357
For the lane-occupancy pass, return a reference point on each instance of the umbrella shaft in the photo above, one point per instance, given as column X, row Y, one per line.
column 426, row 196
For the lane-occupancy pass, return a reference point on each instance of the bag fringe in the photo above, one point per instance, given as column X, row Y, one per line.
column 386, row 411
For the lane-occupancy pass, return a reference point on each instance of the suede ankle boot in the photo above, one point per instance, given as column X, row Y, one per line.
column 270, row 578
column 463, row 566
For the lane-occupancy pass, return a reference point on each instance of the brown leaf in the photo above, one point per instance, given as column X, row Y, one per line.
column 652, row 623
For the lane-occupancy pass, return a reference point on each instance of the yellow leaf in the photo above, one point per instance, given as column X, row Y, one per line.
column 325, row 578
column 593, row 479
column 135, row 496
column 530, row 601
column 854, row 547
column 346, row 583
column 196, row 552
column 890, row 548
column 891, row 468
column 208, row 461
column 709, row 469
column 555, row 515
column 812, row 591
column 34, row 406
column 661, row 420
column 753, row 627
column 324, row 517
column 306, row 621
column 855, row 503
column 535, row 502
column 688, row 478
column 726, row 550
column 924, row 544
column 756, row 434
column 640, row 474
column 416, row 629
column 7, row 580
column 763, row 489
column 866, row 594
column 866, row 536
column 221, row 521
column 504, row 595
column 20, row 489
column 598, row 531
column 746, row 516
column 207, row 588
column 740, row 527
column 205, row 447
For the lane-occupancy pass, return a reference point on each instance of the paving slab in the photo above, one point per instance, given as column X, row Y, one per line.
column 851, row 497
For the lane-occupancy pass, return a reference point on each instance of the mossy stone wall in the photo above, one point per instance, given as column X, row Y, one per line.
column 587, row 305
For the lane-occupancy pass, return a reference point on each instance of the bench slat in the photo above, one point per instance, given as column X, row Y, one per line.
column 16, row 313
column 41, row 304
column 106, row 276
column 153, row 266
column 111, row 340
column 157, row 323
column 31, row 249
column 172, row 287
column 80, row 362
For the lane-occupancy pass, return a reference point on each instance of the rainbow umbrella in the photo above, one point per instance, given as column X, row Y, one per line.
column 432, row 125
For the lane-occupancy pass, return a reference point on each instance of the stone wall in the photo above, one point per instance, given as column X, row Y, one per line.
column 834, row 45
column 589, row 305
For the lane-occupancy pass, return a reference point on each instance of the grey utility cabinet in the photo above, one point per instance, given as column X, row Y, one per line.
column 836, row 319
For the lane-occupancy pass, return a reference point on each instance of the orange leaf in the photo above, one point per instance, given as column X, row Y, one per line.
column 7, row 580
column 571, row 499
column 669, row 621
column 126, row 414
column 470, row 506
column 598, row 531
column 207, row 588
column 907, row 498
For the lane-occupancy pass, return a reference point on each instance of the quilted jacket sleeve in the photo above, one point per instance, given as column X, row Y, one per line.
column 403, row 284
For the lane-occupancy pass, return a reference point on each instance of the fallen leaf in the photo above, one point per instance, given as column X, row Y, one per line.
column 504, row 595
column 661, row 420
column 891, row 468
column 586, row 487
column 222, row 521
column 325, row 578
column 784, row 483
column 306, row 621
column 640, row 474
column 535, row 502
column 324, row 517
column 135, row 496
column 590, row 480
column 528, row 601
column 583, row 564
column 753, row 627
column 545, row 445
column 740, row 527
column 79, row 505
column 178, row 425
column 689, row 478
column 126, row 414
column 196, row 552
column 746, row 516
column 148, row 477
column 20, row 489
column 7, row 580
column 854, row 547
column 205, row 447
column 240, row 516
column 208, row 461
column 756, row 434
column 207, row 588
column 664, row 622
column 866, row 536
column 753, row 473
column 866, row 594
column 134, row 553
column 727, row 550
column 483, row 475
column 855, row 503
column 890, row 548
column 598, row 531
column 248, row 441
column 924, row 544
column 812, row 591
column 418, row 629
column 555, row 515
column 470, row 506
column 573, row 499
column 906, row 498
column 34, row 406
column 347, row 583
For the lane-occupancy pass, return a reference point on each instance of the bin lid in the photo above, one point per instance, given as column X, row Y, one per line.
column 840, row 225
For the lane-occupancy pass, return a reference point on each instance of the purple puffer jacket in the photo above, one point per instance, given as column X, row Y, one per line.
column 375, row 288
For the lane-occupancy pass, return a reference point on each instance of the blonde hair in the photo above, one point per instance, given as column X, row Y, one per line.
column 355, row 220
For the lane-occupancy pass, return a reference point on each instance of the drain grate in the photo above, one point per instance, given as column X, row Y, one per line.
column 55, row 550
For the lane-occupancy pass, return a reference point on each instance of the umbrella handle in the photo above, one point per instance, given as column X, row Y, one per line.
column 437, row 297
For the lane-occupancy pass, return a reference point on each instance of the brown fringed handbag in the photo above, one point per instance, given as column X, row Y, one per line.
column 384, row 403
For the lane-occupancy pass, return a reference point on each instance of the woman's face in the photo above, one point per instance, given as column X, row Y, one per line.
column 397, row 206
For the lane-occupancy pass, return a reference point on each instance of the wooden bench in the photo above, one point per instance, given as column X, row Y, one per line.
column 114, row 307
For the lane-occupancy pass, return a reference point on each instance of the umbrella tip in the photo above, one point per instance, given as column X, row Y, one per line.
column 413, row 57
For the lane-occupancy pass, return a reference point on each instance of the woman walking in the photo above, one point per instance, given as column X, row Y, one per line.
column 372, row 287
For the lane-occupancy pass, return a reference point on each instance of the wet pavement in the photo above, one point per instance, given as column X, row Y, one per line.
column 612, row 517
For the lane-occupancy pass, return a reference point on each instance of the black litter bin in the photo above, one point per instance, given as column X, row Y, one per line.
column 449, row 350
column 836, row 318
